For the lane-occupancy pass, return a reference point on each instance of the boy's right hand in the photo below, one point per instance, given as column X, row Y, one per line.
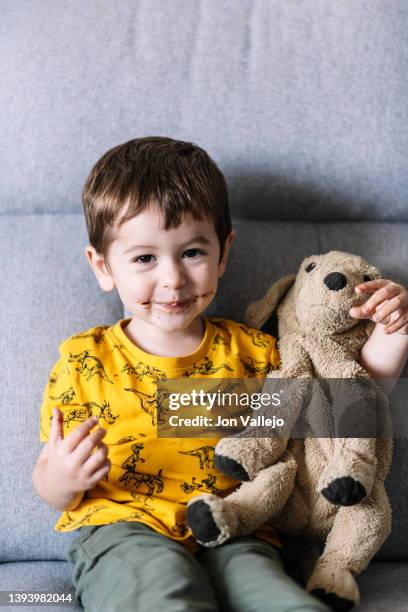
column 70, row 461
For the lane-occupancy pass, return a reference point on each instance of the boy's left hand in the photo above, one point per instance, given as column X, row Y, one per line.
column 388, row 305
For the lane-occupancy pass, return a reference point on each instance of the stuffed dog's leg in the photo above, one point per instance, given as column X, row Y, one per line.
column 245, row 458
column 214, row 520
column 356, row 536
column 349, row 475
column 247, row 453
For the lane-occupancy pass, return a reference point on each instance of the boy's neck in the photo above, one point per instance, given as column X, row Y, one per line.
column 156, row 341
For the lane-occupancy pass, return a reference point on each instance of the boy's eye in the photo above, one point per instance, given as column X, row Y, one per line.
column 193, row 252
column 142, row 259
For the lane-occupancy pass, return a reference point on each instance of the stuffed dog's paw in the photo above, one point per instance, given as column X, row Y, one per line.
column 344, row 491
column 211, row 519
column 201, row 522
column 333, row 601
column 230, row 467
column 335, row 586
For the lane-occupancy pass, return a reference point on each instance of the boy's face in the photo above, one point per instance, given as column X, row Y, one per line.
column 163, row 277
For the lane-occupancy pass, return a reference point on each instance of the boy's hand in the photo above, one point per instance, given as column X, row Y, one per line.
column 70, row 463
column 388, row 305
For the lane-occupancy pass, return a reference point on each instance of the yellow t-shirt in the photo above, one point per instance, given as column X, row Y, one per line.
column 102, row 372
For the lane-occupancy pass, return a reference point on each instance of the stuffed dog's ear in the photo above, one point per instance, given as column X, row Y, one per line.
column 259, row 311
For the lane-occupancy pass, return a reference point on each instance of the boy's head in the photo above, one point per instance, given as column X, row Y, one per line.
column 163, row 194
column 174, row 176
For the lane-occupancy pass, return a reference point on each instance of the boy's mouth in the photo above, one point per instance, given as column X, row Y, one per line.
column 175, row 306
column 179, row 303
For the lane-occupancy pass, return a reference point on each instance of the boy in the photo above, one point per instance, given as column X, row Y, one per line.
column 160, row 232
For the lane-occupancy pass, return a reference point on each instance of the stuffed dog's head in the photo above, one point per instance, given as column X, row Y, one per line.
column 323, row 292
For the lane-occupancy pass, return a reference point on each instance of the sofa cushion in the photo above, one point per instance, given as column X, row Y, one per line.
column 49, row 293
column 382, row 585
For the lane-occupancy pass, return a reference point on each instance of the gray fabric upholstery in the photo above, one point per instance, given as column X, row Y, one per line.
column 35, row 576
column 302, row 104
column 50, row 291
column 383, row 584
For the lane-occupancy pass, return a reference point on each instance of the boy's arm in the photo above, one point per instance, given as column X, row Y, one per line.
column 384, row 355
column 386, row 350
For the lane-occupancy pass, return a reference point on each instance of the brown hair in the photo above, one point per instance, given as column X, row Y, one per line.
column 178, row 177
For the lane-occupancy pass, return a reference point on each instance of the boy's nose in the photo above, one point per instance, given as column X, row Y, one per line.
column 173, row 277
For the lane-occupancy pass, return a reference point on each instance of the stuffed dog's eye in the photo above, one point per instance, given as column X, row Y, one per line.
column 367, row 278
column 310, row 267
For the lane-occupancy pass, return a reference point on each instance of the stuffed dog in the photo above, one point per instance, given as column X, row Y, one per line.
column 326, row 490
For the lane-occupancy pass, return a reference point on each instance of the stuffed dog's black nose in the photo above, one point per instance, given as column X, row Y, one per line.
column 335, row 281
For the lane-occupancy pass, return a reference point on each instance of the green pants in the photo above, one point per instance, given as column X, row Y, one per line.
column 127, row 566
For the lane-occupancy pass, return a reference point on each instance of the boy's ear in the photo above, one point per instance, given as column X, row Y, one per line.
column 223, row 263
column 100, row 268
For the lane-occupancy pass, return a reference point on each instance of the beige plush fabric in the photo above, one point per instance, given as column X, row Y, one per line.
column 327, row 490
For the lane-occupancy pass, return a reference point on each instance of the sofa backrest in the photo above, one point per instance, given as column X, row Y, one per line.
column 303, row 104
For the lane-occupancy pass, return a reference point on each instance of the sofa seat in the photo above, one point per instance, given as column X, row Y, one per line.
column 383, row 584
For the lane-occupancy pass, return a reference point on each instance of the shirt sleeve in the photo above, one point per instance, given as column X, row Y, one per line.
column 58, row 393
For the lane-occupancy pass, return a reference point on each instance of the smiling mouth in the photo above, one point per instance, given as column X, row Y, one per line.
column 178, row 302
column 175, row 306
column 175, row 303
column 181, row 303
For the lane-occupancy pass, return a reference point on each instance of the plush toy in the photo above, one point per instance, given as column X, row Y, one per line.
column 326, row 490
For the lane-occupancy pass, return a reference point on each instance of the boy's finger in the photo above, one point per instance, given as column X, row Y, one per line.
column 102, row 474
column 79, row 433
column 96, row 460
column 389, row 307
column 56, row 431
column 87, row 445
column 400, row 324
column 357, row 313
column 386, row 293
column 371, row 286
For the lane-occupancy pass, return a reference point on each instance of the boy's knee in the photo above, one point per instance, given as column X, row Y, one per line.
column 145, row 578
column 241, row 549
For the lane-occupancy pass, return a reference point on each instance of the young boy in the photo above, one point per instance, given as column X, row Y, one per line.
column 160, row 232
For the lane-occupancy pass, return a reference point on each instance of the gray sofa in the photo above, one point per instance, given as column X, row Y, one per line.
column 304, row 106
